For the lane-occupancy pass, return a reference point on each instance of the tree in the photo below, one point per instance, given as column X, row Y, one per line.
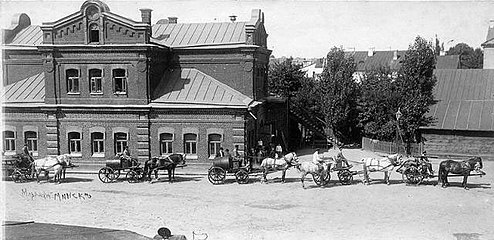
column 469, row 57
column 284, row 78
column 338, row 96
column 413, row 93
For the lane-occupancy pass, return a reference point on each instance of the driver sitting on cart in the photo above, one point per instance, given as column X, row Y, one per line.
column 126, row 155
column 317, row 160
column 341, row 161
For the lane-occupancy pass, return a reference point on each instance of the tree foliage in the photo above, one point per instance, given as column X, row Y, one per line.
column 284, row 78
column 469, row 57
column 338, row 95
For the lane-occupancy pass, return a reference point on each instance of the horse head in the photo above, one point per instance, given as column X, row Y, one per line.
column 476, row 162
column 396, row 159
column 291, row 158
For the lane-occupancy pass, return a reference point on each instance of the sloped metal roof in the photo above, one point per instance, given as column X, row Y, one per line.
column 448, row 62
column 190, row 34
column 377, row 60
column 466, row 100
column 29, row 36
column 191, row 86
column 29, row 90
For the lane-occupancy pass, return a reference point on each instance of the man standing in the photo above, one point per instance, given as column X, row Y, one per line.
column 279, row 151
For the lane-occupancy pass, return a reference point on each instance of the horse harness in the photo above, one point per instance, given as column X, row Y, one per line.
column 58, row 163
column 378, row 162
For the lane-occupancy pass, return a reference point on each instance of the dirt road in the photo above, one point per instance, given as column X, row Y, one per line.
column 265, row 211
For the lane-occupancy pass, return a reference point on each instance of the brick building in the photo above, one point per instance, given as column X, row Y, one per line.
column 93, row 82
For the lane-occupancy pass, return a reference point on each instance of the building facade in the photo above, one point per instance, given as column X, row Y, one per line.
column 94, row 82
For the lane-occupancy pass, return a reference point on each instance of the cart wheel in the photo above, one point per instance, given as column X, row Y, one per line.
column 17, row 176
column 242, row 176
column 116, row 174
column 412, row 175
column 106, row 175
column 345, row 177
column 216, row 175
column 28, row 175
column 318, row 181
column 140, row 173
column 132, row 176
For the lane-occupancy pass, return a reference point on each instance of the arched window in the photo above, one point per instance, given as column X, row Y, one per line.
column 72, row 76
column 120, row 81
column 94, row 33
column 75, row 143
column 95, row 78
column 166, row 143
column 8, row 141
column 214, row 142
column 31, row 138
column 120, row 142
column 190, row 143
column 98, row 143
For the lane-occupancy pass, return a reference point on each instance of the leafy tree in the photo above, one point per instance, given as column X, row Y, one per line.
column 469, row 57
column 413, row 88
column 338, row 96
column 284, row 78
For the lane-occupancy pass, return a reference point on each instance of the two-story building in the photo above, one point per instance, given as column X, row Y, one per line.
column 93, row 82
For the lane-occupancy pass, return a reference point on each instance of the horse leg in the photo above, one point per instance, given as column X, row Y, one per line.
column 283, row 173
column 366, row 175
column 170, row 180
column 464, row 184
column 302, row 179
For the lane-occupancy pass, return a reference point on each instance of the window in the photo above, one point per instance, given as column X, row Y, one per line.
column 75, row 143
column 120, row 81
column 190, row 143
column 72, row 80
column 98, row 144
column 93, row 33
column 9, row 141
column 166, row 142
column 214, row 142
column 95, row 79
column 120, row 142
column 31, row 140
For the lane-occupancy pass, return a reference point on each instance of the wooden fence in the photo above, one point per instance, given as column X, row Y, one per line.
column 390, row 147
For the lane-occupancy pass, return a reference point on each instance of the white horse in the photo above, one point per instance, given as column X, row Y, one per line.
column 320, row 176
column 386, row 165
column 283, row 163
column 56, row 163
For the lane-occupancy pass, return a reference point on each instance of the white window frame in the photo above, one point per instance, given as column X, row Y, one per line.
column 96, row 82
column 70, row 81
column 190, row 145
column 75, row 145
column 214, row 145
column 9, row 147
column 121, row 79
column 120, row 144
column 166, row 144
column 100, row 142
column 32, row 142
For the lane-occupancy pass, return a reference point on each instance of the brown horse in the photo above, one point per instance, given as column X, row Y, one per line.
column 463, row 168
column 168, row 163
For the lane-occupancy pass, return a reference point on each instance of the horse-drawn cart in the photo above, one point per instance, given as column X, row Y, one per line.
column 113, row 167
column 223, row 165
column 21, row 167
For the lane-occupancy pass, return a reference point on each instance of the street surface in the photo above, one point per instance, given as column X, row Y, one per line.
column 264, row 211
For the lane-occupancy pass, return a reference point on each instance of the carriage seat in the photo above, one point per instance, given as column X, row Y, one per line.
column 342, row 162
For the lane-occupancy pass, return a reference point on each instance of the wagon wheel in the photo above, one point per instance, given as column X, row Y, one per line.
column 28, row 175
column 106, row 175
column 412, row 175
column 216, row 175
column 132, row 176
column 242, row 176
column 345, row 177
column 317, row 179
column 116, row 174
column 17, row 176
column 140, row 173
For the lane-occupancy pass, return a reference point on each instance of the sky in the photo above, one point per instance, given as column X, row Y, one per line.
column 305, row 28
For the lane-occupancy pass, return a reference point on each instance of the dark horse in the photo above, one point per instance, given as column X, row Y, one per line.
column 168, row 163
column 463, row 168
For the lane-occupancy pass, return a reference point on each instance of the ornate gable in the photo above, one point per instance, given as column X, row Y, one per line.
column 94, row 24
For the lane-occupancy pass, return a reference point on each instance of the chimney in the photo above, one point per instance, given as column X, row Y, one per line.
column 146, row 15
column 233, row 18
column 370, row 53
column 395, row 55
column 172, row 20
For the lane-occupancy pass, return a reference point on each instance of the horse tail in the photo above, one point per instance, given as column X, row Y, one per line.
column 440, row 172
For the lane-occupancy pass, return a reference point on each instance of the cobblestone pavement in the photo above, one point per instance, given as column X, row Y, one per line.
column 263, row 211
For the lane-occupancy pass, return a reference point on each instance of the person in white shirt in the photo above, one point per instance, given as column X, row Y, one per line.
column 317, row 160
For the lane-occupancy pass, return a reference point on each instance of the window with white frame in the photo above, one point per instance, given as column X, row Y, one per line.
column 120, row 142
column 98, row 144
column 120, row 80
column 190, row 143
column 214, row 142
column 8, row 141
column 31, row 140
column 72, row 76
column 166, row 143
column 75, row 143
column 95, row 78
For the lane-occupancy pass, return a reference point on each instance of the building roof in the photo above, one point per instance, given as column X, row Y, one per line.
column 29, row 36
column 29, row 90
column 191, row 34
column 466, row 100
column 448, row 62
column 193, row 87
column 378, row 59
